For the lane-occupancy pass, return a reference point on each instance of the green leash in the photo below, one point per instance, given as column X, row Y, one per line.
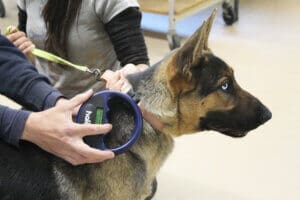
column 56, row 59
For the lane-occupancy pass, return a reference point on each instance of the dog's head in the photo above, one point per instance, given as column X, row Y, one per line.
column 203, row 93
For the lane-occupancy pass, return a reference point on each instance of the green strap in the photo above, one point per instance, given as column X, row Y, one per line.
column 51, row 57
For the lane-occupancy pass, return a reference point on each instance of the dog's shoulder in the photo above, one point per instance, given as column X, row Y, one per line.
column 29, row 169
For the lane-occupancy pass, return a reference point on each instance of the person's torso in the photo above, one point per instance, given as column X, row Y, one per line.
column 88, row 44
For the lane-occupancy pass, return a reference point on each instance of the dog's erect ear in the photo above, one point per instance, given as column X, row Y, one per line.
column 195, row 47
column 209, row 22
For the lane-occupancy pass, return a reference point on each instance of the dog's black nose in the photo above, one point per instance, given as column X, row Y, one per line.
column 265, row 114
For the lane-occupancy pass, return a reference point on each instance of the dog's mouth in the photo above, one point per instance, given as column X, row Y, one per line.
column 234, row 134
column 227, row 131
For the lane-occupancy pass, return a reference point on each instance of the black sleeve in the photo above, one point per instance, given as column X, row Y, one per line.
column 21, row 82
column 22, row 16
column 126, row 35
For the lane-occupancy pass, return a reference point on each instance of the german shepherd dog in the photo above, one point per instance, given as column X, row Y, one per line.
column 190, row 90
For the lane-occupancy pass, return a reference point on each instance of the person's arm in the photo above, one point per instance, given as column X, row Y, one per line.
column 126, row 35
column 21, row 82
column 127, row 38
column 12, row 123
column 53, row 129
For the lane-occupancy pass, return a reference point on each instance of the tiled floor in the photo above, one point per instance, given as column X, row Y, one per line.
column 263, row 48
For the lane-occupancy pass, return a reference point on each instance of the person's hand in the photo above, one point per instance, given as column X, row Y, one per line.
column 20, row 40
column 117, row 80
column 54, row 131
column 132, row 69
column 113, row 80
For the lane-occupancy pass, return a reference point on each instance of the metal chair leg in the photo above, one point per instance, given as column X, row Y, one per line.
column 2, row 9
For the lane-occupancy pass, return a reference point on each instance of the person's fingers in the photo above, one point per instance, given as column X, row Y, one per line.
column 71, row 161
column 29, row 49
column 12, row 29
column 117, row 85
column 74, row 158
column 111, row 78
column 91, row 129
column 75, row 111
column 27, row 46
column 93, row 155
column 129, row 69
column 79, row 99
column 80, row 153
column 66, row 151
column 15, row 36
column 83, row 153
column 107, row 75
column 142, row 67
column 126, row 87
column 21, row 41
column 70, row 151
column 69, row 158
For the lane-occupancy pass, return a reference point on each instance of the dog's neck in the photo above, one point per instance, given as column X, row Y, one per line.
column 154, row 95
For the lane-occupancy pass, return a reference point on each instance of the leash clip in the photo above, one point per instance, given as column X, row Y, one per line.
column 96, row 72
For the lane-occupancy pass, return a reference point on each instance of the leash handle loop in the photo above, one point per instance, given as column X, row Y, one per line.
column 56, row 59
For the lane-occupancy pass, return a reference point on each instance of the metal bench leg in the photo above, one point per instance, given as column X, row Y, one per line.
column 236, row 9
column 2, row 9
column 230, row 14
column 172, row 37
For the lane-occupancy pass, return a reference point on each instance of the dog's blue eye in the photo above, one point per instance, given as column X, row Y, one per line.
column 225, row 86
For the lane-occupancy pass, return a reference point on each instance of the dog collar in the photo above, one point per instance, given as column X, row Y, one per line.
column 151, row 118
column 148, row 116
